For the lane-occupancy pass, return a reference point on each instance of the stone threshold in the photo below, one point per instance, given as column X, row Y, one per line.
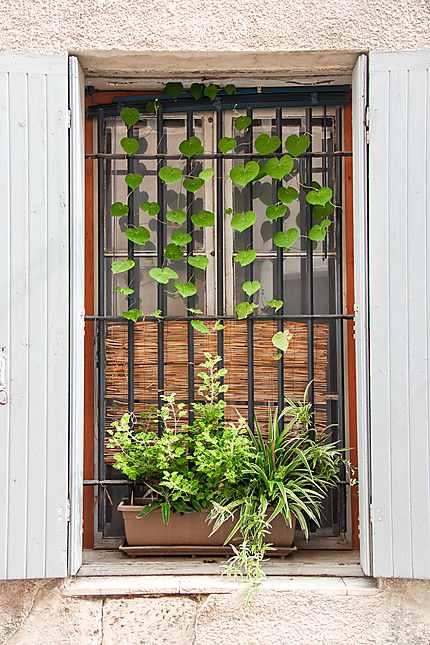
column 118, row 586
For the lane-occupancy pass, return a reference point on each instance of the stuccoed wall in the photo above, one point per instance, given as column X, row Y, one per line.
column 39, row 613
column 59, row 26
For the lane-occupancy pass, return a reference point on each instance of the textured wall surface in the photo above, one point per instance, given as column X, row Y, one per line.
column 38, row 613
column 58, row 26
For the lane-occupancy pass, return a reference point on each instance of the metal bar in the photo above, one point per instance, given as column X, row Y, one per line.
column 292, row 317
column 219, row 232
column 161, row 297
column 250, row 276
column 265, row 255
column 279, row 226
column 132, row 282
column 309, row 269
column 192, row 300
column 214, row 155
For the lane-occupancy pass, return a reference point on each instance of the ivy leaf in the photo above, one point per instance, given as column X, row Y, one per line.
column 152, row 208
column 265, row 145
column 218, row 325
column 197, row 90
column 130, row 116
column 156, row 314
column 120, row 266
column 190, row 147
column 206, row 174
column 173, row 252
column 297, row 144
column 129, row 145
column 196, row 312
column 198, row 261
column 226, row 144
column 241, row 221
column 193, row 184
column 163, row 275
column 286, row 239
column 288, row 194
column 170, row 174
column 245, row 309
column 319, row 196
column 275, row 304
column 177, row 217
column 242, row 122
column 241, row 175
column 281, row 340
column 138, row 234
column 124, row 291
column 230, row 89
column 275, row 211
column 185, row 289
column 200, row 326
column 323, row 211
column 118, row 209
column 317, row 233
column 133, row 180
column 211, row 91
column 251, row 286
column 204, row 218
column 173, row 90
column 132, row 314
column 181, row 238
column 279, row 168
column 245, row 257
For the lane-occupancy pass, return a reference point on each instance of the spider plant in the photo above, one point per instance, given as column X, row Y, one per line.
column 289, row 475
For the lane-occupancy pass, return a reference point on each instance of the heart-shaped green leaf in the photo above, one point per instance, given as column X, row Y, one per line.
column 157, row 313
column 241, row 175
column 198, row 261
column 173, row 90
column 190, row 147
column 120, row 266
column 275, row 304
column 230, row 89
column 193, row 184
column 297, row 144
column 245, row 309
column 245, row 257
column 138, row 235
column 285, row 239
column 265, row 145
column 323, row 211
column 317, row 233
column 124, row 291
column 204, row 218
column 288, row 194
column 211, row 91
column 163, row 275
column 319, row 196
column 130, row 116
column 177, row 217
column 132, row 314
column 279, row 168
column 242, row 122
column 206, row 174
column 185, row 289
column 133, row 180
column 200, row 326
column 170, row 175
column 173, row 252
column 275, row 211
column 152, row 208
column 129, row 145
column 281, row 340
column 118, row 209
column 241, row 221
column 197, row 90
column 251, row 286
column 181, row 238
column 226, row 144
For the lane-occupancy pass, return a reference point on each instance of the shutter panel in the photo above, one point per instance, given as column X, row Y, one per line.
column 359, row 104
column 34, row 316
column 399, row 279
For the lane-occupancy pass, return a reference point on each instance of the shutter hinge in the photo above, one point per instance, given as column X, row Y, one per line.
column 367, row 124
column 69, row 119
column 68, row 510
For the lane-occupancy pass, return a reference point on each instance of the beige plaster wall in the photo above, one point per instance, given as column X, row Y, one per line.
column 60, row 26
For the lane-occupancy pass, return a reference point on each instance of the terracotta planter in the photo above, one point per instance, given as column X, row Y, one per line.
column 188, row 529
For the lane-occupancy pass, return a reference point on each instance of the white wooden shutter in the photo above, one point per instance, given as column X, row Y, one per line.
column 399, row 296
column 77, row 245
column 34, row 316
column 359, row 105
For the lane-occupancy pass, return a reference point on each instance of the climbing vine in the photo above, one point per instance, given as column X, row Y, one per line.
column 276, row 159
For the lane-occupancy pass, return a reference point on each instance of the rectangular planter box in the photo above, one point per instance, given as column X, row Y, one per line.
column 188, row 529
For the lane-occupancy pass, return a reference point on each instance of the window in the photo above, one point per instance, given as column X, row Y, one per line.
column 136, row 363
